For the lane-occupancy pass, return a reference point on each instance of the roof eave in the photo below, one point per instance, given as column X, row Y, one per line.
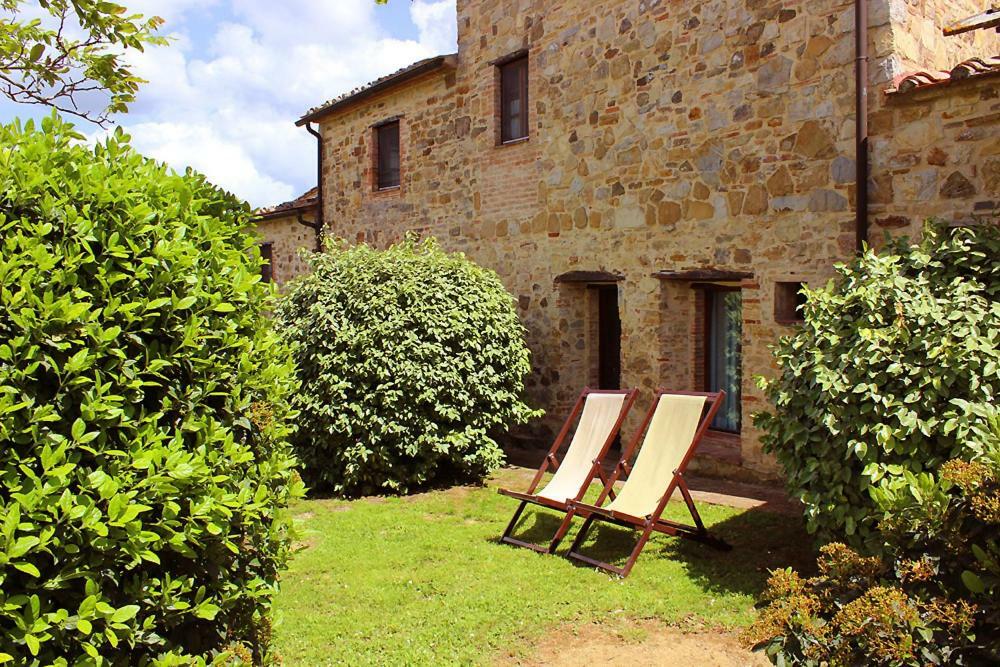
column 285, row 212
column 433, row 64
column 897, row 92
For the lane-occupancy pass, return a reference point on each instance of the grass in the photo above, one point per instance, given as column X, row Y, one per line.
column 423, row 580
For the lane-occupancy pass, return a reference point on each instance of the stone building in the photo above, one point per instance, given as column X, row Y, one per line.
column 655, row 179
column 286, row 229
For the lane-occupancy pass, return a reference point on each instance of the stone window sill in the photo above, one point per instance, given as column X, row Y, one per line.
column 513, row 142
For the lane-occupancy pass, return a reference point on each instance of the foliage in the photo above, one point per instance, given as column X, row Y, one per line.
column 409, row 359
column 879, row 380
column 932, row 598
column 42, row 62
column 143, row 415
column 421, row 580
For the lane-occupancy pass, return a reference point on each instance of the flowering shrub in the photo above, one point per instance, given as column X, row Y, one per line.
column 932, row 597
column 410, row 360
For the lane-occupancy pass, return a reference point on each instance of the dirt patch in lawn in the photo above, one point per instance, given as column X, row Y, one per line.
column 636, row 643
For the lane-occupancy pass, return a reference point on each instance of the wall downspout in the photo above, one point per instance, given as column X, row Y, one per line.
column 301, row 219
column 319, row 185
column 861, row 122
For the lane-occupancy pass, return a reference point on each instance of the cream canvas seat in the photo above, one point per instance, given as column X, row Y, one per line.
column 599, row 414
column 674, row 426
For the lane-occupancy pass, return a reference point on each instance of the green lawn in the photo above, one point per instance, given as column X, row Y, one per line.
column 423, row 580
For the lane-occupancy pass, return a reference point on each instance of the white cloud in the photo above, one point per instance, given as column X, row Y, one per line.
column 171, row 11
column 223, row 99
column 227, row 162
column 436, row 23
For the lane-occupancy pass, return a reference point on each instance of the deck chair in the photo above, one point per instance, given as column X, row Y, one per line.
column 600, row 413
column 674, row 426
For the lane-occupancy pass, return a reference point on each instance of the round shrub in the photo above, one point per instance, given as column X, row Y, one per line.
column 144, row 459
column 410, row 358
column 878, row 380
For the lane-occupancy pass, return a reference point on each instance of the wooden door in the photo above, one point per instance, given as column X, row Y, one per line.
column 609, row 338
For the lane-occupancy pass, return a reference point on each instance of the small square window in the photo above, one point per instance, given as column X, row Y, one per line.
column 387, row 151
column 514, row 100
column 789, row 300
column 267, row 257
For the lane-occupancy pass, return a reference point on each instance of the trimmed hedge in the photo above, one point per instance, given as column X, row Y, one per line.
column 879, row 380
column 410, row 358
column 144, row 459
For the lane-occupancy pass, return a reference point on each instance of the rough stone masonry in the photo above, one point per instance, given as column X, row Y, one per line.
column 676, row 151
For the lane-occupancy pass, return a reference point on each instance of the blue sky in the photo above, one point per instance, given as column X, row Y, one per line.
column 223, row 97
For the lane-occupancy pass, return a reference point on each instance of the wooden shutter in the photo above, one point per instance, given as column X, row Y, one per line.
column 267, row 268
column 388, row 155
column 514, row 100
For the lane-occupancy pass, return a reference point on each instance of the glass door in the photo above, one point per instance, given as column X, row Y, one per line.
column 724, row 354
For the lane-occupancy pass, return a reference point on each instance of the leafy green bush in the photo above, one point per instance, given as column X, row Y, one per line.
column 409, row 359
column 933, row 597
column 144, row 459
column 878, row 379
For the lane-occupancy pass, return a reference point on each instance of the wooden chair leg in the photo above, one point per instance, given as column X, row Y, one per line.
column 646, row 532
column 513, row 521
column 584, row 529
column 608, row 567
column 574, row 550
column 508, row 538
column 604, row 480
column 561, row 533
column 700, row 533
column 689, row 501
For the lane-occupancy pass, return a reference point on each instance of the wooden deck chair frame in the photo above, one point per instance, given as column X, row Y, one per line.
column 552, row 461
column 654, row 521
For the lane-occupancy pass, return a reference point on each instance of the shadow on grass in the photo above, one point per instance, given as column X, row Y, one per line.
column 537, row 526
column 761, row 540
column 325, row 491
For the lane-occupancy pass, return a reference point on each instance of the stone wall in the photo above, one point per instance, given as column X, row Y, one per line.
column 934, row 152
column 918, row 42
column 665, row 135
column 286, row 236
column 939, row 153
column 431, row 178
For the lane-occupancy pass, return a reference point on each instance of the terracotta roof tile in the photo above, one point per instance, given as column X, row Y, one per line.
column 967, row 69
column 975, row 66
column 304, row 201
column 399, row 76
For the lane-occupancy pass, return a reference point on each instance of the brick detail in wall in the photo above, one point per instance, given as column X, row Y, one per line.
column 698, row 332
column 668, row 136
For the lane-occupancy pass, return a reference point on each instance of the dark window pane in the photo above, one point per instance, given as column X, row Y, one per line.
column 266, row 269
column 788, row 302
column 514, row 100
column 388, row 155
column 724, row 355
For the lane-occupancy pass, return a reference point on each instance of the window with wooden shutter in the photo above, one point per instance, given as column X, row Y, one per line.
column 514, row 100
column 789, row 299
column 267, row 257
column 387, row 145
